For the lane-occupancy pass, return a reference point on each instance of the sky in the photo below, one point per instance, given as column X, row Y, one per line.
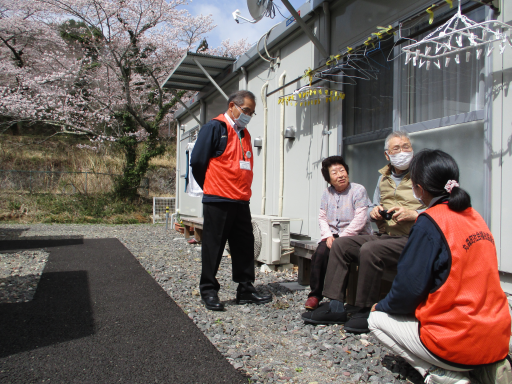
column 227, row 28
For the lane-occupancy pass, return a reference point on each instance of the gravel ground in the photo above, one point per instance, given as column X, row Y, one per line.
column 19, row 275
column 270, row 343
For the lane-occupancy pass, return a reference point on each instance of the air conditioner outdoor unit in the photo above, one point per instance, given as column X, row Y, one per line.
column 273, row 233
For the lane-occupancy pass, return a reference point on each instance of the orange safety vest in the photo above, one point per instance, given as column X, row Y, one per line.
column 223, row 176
column 466, row 320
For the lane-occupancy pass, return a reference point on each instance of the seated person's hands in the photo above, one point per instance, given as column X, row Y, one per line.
column 329, row 241
column 403, row 214
column 375, row 215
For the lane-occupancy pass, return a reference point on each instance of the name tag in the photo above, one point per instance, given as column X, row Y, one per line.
column 245, row 165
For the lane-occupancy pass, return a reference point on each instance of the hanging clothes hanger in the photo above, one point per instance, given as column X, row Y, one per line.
column 400, row 38
column 352, row 63
column 377, row 49
column 452, row 38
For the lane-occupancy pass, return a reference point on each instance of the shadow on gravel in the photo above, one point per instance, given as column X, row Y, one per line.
column 61, row 311
column 398, row 366
column 39, row 242
column 12, row 232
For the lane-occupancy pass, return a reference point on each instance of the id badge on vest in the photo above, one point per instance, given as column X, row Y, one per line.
column 245, row 165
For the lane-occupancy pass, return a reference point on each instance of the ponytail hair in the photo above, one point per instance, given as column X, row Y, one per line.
column 459, row 200
column 432, row 169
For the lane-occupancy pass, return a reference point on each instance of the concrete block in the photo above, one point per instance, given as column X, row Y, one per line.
column 267, row 267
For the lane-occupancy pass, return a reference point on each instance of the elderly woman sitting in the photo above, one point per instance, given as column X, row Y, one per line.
column 342, row 213
column 446, row 313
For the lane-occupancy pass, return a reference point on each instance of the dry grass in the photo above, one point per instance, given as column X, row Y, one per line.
column 61, row 154
column 50, row 208
column 29, row 153
column 167, row 160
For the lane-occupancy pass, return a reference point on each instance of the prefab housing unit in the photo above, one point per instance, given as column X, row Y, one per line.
column 461, row 109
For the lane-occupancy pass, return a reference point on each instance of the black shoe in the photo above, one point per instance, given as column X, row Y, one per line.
column 213, row 303
column 252, row 298
column 323, row 315
column 358, row 323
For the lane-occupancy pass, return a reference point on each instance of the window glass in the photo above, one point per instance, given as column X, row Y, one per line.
column 465, row 142
column 368, row 104
column 450, row 90
column 364, row 161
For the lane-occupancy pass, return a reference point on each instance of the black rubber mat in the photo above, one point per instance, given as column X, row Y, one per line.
column 99, row 317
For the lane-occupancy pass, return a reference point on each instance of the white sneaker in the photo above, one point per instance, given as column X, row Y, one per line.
column 438, row 375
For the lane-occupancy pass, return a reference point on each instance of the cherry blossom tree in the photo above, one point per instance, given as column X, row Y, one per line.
column 35, row 63
column 96, row 68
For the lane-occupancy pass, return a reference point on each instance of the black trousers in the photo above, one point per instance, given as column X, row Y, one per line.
column 227, row 221
column 373, row 253
column 319, row 262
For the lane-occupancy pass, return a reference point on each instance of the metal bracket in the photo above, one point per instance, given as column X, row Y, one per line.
column 185, row 106
column 305, row 28
column 210, row 78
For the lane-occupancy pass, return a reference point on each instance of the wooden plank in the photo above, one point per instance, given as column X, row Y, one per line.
column 304, row 271
column 187, row 231
column 303, row 253
column 193, row 222
column 304, row 244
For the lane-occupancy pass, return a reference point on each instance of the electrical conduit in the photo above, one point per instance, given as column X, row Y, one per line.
column 281, row 147
column 264, row 171
column 327, row 110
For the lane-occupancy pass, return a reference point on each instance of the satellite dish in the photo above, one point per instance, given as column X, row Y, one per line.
column 258, row 8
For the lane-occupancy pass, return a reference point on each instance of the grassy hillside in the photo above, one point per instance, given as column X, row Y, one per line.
column 61, row 154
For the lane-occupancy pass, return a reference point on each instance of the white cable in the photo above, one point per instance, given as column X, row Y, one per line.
column 258, row 49
column 266, row 35
column 265, row 43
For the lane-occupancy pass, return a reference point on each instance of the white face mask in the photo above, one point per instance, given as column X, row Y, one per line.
column 418, row 198
column 242, row 120
column 401, row 160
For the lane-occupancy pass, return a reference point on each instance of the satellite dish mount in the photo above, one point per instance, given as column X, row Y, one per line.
column 257, row 9
column 260, row 8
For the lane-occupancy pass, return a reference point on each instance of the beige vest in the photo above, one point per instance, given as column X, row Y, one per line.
column 392, row 195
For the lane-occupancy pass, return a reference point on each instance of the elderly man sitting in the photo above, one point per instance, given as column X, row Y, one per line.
column 373, row 253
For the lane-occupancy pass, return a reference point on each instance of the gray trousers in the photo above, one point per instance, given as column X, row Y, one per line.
column 373, row 253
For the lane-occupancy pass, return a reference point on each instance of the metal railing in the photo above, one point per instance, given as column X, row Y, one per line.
column 60, row 182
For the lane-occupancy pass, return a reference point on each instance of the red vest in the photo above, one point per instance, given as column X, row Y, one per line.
column 466, row 320
column 223, row 176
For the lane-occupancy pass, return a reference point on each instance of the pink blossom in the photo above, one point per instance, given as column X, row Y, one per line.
column 132, row 47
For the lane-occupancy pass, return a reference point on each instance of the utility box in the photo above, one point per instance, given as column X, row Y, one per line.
column 273, row 233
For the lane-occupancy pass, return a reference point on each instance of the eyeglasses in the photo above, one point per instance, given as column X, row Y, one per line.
column 246, row 111
column 397, row 149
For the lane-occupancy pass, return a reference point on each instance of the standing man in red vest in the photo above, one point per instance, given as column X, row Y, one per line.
column 222, row 164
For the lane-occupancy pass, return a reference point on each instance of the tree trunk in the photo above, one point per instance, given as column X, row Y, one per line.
column 127, row 184
column 136, row 166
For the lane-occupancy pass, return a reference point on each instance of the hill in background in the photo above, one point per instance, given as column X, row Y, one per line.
column 67, row 198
